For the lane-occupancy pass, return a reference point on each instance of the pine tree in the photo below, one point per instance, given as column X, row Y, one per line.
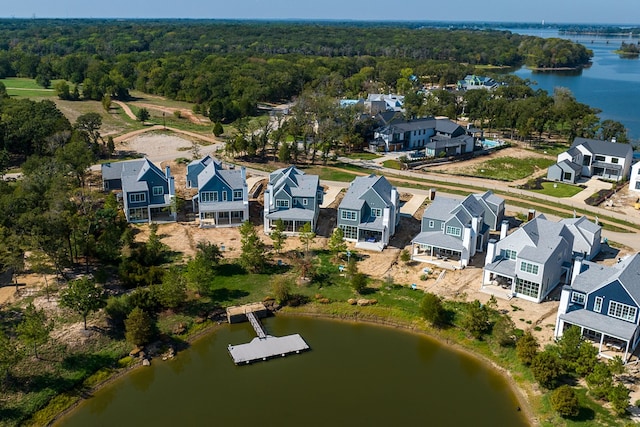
column 253, row 256
column 277, row 235
column 138, row 327
column 34, row 329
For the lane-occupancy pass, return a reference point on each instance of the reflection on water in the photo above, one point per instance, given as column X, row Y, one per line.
column 355, row 374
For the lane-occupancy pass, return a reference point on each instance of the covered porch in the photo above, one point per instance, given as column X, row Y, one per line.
column 221, row 219
column 370, row 238
column 613, row 337
column 437, row 248
column 293, row 219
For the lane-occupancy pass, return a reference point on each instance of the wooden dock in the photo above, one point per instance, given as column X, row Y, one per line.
column 264, row 346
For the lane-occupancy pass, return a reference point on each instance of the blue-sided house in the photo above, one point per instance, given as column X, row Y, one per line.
column 293, row 197
column 454, row 230
column 222, row 199
column 603, row 302
column 369, row 212
column 147, row 192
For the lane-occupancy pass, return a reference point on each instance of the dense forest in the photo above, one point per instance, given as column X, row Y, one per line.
column 238, row 64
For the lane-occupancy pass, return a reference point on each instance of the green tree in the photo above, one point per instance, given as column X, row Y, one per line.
column 284, row 153
column 307, row 236
column 619, row 398
column 218, row 129
column 76, row 157
column 565, row 402
column 90, row 124
column 62, row 90
column 34, row 328
column 139, row 327
column 111, row 146
column 359, row 282
column 527, row 348
column 616, row 365
column 587, row 359
column 476, row 320
column 405, row 256
column 209, row 251
column 253, row 256
column 503, row 331
column 8, row 355
column 143, row 115
column 336, row 243
column 83, row 296
column 568, row 347
column 281, row 288
column 432, row 309
column 277, row 235
column 546, row 368
column 106, row 102
column 599, row 381
column 172, row 291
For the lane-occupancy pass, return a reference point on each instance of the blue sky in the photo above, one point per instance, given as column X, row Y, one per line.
column 552, row 11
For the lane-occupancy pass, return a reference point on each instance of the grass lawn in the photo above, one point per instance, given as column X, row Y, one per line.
column 27, row 88
column 392, row 164
column 362, row 156
column 510, row 168
column 559, row 189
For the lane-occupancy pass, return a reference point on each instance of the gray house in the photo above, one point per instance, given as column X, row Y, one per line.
column 454, row 230
column 535, row 258
column 436, row 136
column 603, row 301
column 369, row 212
column 147, row 192
column 294, row 197
column 222, row 198
column 593, row 157
column 195, row 167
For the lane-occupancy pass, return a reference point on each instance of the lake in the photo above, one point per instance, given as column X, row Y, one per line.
column 611, row 83
column 355, row 374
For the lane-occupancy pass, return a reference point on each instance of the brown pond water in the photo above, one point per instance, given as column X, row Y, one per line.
column 354, row 375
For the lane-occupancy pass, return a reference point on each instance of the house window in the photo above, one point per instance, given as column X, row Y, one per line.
column 349, row 232
column 431, row 223
column 622, row 311
column 528, row 288
column 614, row 160
column 567, row 176
column 348, row 215
column 376, row 212
column 527, row 267
column 224, row 196
column 138, row 214
column 158, row 191
column 237, row 194
column 282, row 203
column 586, row 161
column 305, row 202
column 453, row 231
column 137, row 197
column 208, row 196
column 600, row 158
column 597, row 305
column 577, row 297
column 509, row 254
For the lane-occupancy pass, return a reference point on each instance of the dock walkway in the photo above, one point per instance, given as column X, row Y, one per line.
column 264, row 346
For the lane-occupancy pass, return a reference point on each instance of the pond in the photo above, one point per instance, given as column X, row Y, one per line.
column 355, row 374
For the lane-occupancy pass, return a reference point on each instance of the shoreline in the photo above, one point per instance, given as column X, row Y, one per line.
column 519, row 392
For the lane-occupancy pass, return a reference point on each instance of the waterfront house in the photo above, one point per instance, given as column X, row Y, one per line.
column 634, row 178
column 534, row 259
column 222, row 198
column 592, row 157
column 369, row 212
column 603, row 302
column 294, row 197
column 471, row 82
column 146, row 192
column 453, row 230
column 438, row 137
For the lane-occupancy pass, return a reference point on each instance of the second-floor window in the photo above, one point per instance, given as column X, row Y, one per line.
column 577, row 298
column 282, row 203
column 509, row 254
column 349, row 215
column 237, row 194
column 614, row 160
column 137, row 197
column 376, row 212
column 224, row 196
column 600, row 158
column 158, row 191
column 622, row 311
column 597, row 305
column 527, row 267
column 431, row 223
column 453, row 231
column 305, row 202
column 209, row 196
